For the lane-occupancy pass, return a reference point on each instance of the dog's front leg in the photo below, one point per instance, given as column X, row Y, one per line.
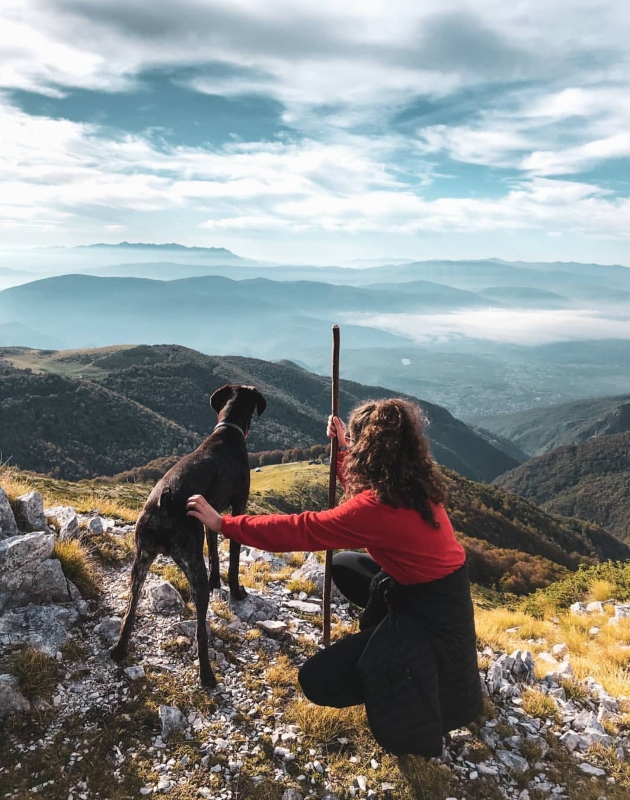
column 236, row 590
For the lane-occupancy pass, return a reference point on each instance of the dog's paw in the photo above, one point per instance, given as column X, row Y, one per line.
column 239, row 593
column 214, row 584
column 117, row 654
column 208, row 680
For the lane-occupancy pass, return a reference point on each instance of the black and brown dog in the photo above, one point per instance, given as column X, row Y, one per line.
column 219, row 470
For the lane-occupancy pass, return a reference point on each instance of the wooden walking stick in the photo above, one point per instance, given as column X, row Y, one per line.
column 332, row 481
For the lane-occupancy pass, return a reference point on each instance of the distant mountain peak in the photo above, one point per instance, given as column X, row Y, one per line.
column 163, row 246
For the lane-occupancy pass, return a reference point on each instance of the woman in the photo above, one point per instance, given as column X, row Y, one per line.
column 414, row 662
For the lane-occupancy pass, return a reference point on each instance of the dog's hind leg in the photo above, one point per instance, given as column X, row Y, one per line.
column 193, row 566
column 213, row 559
column 141, row 564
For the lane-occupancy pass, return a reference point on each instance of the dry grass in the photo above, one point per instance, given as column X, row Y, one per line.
column 37, row 673
column 173, row 574
column 255, row 576
column 602, row 590
column 13, row 483
column 339, row 630
column 222, row 610
column 322, row 725
column 298, row 585
column 296, row 559
column 113, row 549
column 601, row 656
column 120, row 501
column 537, row 704
column 79, row 566
column 282, row 673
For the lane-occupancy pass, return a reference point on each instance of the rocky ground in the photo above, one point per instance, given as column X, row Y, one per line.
column 101, row 730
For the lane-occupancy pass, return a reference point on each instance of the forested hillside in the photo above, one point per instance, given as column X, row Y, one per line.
column 83, row 413
column 590, row 481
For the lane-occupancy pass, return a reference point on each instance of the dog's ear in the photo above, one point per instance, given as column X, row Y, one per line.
column 261, row 403
column 221, row 396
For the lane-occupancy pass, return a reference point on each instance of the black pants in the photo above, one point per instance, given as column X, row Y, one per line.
column 330, row 678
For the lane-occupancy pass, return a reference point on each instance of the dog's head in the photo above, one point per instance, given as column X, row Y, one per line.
column 234, row 403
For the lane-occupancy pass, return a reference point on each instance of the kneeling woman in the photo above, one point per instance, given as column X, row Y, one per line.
column 414, row 661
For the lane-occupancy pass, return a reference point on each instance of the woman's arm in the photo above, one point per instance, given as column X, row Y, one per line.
column 349, row 525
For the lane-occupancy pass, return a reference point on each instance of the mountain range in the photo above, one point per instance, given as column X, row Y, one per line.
column 442, row 330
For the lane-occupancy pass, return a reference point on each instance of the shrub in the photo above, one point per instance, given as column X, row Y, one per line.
column 578, row 585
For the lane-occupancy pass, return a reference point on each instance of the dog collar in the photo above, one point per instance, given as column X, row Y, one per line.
column 231, row 425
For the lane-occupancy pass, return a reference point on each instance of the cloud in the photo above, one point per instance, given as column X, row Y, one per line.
column 56, row 172
column 502, row 325
column 535, row 92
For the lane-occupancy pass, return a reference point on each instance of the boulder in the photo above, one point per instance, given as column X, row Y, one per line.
column 589, row 769
column 65, row 519
column 28, row 574
column 311, row 570
column 95, row 525
column 622, row 611
column 11, row 699
column 43, row 627
column 165, row 599
column 513, row 761
column 8, row 525
column 29, row 512
column 253, row 608
column 305, row 608
column 273, row 627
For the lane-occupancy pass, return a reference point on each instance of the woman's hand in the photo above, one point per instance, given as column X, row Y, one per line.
column 337, row 428
column 197, row 506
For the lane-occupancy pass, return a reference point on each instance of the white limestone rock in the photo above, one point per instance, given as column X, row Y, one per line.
column 27, row 572
column 253, row 608
column 165, row 599
column 95, row 525
column 29, row 512
column 172, row 720
column 44, row 627
column 108, row 629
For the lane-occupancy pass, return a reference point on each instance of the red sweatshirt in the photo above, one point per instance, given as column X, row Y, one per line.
column 398, row 539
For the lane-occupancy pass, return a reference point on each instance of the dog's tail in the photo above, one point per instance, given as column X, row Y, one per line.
column 165, row 500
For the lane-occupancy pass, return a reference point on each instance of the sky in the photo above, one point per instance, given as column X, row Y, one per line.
column 319, row 132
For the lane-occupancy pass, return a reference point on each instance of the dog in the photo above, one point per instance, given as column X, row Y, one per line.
column 219, row 470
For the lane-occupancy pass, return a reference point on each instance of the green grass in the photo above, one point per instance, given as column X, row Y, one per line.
column 278, row 477
column 68, row 363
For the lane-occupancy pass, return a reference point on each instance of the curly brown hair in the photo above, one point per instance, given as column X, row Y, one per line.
column 390, row 455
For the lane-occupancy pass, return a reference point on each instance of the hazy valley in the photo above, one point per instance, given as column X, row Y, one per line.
column 479, row 337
